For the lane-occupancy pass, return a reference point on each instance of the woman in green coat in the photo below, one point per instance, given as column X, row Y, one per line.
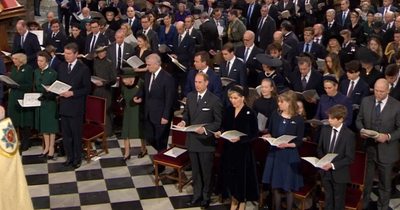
column 21, row 117
column 132, row 126
column 46, row 116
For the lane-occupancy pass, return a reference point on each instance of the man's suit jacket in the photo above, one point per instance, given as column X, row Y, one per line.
column 210, row 34
column 310, row 17
column 287, row 53
column 345, row 147
column 198, row 39
column 31, row 47
column 251, row 63
column 73, row 8
column 214, row 83
column 273, row 13
column 285, row 70
column 79, row 79
column 189, row 7
column 387, row 122
column 360, row 90
column 266, row 33
column 59, row 41
column 121, row 6
column 110, row 34
column 55, row 63
column 101, row 39
column 184, row 51
column 350, row 51
column 159, row 100
column 290, row 7
column 335, row 28
column 128, row 52
column 252, row 22
column 238, row 72
column 153, row 38
column 395, row 93
column 339, row 19
column 209, row 111
column 315, row 49
column 385, row 26
column 47, row 30
column 291, row 40
column 382, row 9
column 136, row 25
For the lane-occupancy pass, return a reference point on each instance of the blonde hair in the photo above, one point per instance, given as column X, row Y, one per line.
column 128, row 29
column 290, row 97
column 20, row 57
column 380, row 51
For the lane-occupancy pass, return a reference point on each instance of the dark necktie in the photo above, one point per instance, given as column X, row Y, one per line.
column 130, row 22
column 227, row 67
column 22, row 41
column 69, row 68
column 304, row 83
column 329, row 25
column 378, row 108
column 152, row 80
column 179, row 40
column 392, row 88
column 246, row 54
column 54, row 35
column 332, row 145
column 351, row 89
column 249, row 13
column 343, row 18
column 307, row 47
column 93, row 43
column 119, row 64
column 144, row 32
column 198, row 100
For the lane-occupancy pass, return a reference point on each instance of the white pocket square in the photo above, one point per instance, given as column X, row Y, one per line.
column 205, row 109
column 358, row 93
column 58, row 41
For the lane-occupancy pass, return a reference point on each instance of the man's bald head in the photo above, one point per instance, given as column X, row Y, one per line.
column 381, row 89
column 248, row 38
column 278, row 37
column 180, row 27
column 21, row 27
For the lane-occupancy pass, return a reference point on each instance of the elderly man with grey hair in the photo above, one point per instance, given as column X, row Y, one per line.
column 331, row 24
column 389, row 20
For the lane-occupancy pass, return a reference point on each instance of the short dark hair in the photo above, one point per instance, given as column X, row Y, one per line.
column 76, row 25
column 391, row 70
column 50, row 49
column 45, row 55
column 397, row 55
column 54, row 21
column 145, row 16
column 287, row 25
column 228, row 47
column 204, row 56
column 94, row 21
column 234, row 12
column 71, row 46
column 352, row 66
column 337, row 112
column 275, row 46
column 102, row 22
column 310, row 29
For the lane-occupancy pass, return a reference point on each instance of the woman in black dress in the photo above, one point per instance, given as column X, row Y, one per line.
column 142, row 51
column 369, row 73
column 110, row 13
column 356, row 29
column 237, row 178
column 266, row 104
column 269, row 65
column 77, row 38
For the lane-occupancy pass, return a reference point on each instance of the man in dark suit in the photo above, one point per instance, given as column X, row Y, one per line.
column 287, row 51
column 202, row 107
column 273, row 12
column 309, row 45
column 183, row 50
column 389, row 21
column 289, row 37
column 27, row 41
column 266, row 27
column 201, row 60
column 380, row 112
column 120, row 5
column 252, row 11
column 106, row 31
column 95, row 38
column 119, row 51
column 318, row 34
column 62, row 12
column 76, row 6
column 54, row 62
column 307, row 78
column 331, row 25
column 194, row 33
column 56, row 38
column 47, row 27
column 146, row 30
column 309, row 16
column 289, row 6
column 386, row 6
column 248, row 53
column 392, row 76
column 298, row 18
column 336, row 138
column 343, row 17
column 210, row 33
column 158, row 95
column 72, row 104
column 132, row 20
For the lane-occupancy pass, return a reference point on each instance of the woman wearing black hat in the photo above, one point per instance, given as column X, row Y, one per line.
column 21, row 117
column 333, row 44
column 369, row 73
column 46, row 115
column 269, row 65
column 110, row 13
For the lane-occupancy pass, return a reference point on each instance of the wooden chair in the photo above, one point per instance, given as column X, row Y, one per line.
column 178, row 164
column 95, row 125
column 309, row 173
column 261, row 149
column 354, row 193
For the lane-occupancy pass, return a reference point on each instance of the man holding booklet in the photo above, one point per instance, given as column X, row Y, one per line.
column 202, row 107
column 339, row 139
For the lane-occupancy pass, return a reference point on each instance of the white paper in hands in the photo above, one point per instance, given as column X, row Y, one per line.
column 95, row 79
column 134, row 62
column 277, row 141
column 262, row 121
column 370, row 133
column 182, row 67
column 232, row 134
column 58, row 87
column 319, row 163
column 30, row 100
column 191, row 128
column 8, row 80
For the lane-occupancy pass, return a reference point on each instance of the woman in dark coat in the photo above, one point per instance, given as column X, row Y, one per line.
column 282, row 168
column 21, row 117
column 110, row 13
column 104, row 69
column 267, row 103
column 237, row 178
column 142, row 51
column 356, row 29
column 46, row 115
column 369, row 73
column 77, row 38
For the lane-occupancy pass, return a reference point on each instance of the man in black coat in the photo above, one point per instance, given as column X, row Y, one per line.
column 289, row 37
column 158, row 96
column 120, row 5
column 95, row 38
column 27, row 41
column 331, row 26
column 194, row 33
column 309, row 45
column 56, row 38
column 146, row 30
column 275, row 49
column 72, row 103
column 309, row 16
column 62, row 12
column 106, row 31
column 343, row 17
column 76, row 6
column 252, row 11
column 392, row 76
column 132, row 20
column 273, row 12
column 287, row 51
column 266, row 27
column 210, row 34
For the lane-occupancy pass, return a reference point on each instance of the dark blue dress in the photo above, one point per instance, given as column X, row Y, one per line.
column 327, row 102
column 282, row 168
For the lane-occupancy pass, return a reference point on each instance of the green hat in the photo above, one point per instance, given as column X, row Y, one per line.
column 128, row 72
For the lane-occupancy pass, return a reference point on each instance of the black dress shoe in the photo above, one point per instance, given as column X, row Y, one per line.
column 125, row 159
column 43, row 155
column 195, row 202
column 142, row 154
column 205, row 205
column 66, row 163
column 76, row 165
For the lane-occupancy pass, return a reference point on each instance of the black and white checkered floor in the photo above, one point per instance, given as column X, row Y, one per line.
column 109, row 184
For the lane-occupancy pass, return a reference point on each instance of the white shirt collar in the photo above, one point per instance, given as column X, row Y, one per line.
column 202, row 95
column 184, row 34
column 26, row 33
column 73, row 64
column 205, row 70
column 355, row 81
column 307, row 76
column 396, row 82
column 232, row 60
column 383, row 102
column 157, row 72
column 331, row 22
column 338, row 129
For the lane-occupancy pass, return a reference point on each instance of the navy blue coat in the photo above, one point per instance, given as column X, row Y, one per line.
column 360, row 91
column 185, row 51
column 327, row 102
column 31, row 47
column 167, row 39
column 214, row 83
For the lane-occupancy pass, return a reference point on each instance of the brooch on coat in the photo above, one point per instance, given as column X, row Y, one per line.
column 248, row 112
column 22, row 70
column 293, row 122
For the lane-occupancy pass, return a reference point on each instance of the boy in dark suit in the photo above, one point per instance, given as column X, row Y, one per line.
column 336, row 138
column 392, row 76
